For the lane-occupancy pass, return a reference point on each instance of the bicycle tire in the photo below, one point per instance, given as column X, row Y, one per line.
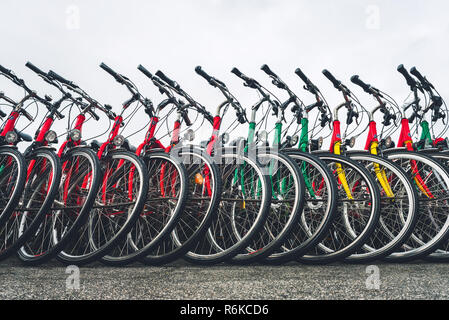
column 209, row 250
column 11, row 190
column 197, row 214
column 384, row 239
column 311, row 230
column 44, row 177
column 350, row 216
column 75, row 251
column 59, row 215
column 154, row 224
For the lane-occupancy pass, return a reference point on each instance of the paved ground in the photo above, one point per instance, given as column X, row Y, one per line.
column 183, row 281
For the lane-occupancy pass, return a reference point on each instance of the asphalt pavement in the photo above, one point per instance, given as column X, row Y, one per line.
column 183, row 281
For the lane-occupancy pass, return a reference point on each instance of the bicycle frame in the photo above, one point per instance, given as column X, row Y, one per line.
column 303, row 145
column 335, row 147
column 151, row 143
column 40, row 136
column 405, row 140
column 372, row 146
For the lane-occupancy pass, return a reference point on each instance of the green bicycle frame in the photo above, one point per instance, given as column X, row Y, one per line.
column 303, row 144
column 425, row 133
column 278, row 188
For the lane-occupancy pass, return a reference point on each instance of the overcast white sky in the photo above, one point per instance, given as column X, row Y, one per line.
column 369, row 38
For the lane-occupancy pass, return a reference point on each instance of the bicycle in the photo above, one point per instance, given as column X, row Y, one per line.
column 203, row 184
column 358, row 194
column 238, row 213
column 167, row 192
column 43, row 170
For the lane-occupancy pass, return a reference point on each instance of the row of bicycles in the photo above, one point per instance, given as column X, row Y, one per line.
column 272, row 196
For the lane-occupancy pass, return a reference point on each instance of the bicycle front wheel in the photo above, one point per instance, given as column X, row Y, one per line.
column 118, row 203
column 431, row 182
column 12, row 181
column 80, row 180
column 399, row 208
column 203, row 196
column 358, row 211
column 43, row 178
column 319, row 211
column 167, row 194
column 287, row 203
column 243, row 209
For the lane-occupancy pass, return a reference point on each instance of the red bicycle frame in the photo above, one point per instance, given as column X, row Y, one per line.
column 405, row 140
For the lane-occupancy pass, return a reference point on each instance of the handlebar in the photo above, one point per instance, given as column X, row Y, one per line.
column 410, row 81
column 203, row 73
column 309, row 85
column 424, row 82
column 366, row 87
column 59, row 78
column 303, row 77
column 112, row 73
column 4, row 70
column 170, row 82
column 265, row 68
column 185, row 116
column 212, row 80
column 142, row 69
column 238, row 74
column 332, row 79
column 417, row 74
column 35, row 69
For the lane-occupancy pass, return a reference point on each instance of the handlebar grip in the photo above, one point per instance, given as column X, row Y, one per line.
column 27, row 115
column 2, row 114
column 170, row 82
column 145, row 71
column 265, row 68
column 185, row 116
column 111, row 72
column 57, row 77
column 4, row 70
column 332, row 79
column 417, row 74
column 202, row 73
column 35, row 69
column 237, row 73
column 403, row 71
column 356, row 80
column 303, row 77
column 94, row 115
